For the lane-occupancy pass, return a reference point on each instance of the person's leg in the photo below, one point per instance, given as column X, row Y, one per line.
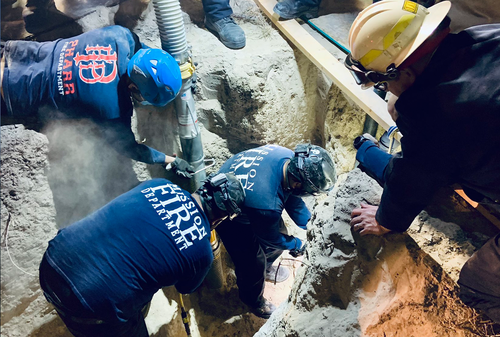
column 219, row 22
column 479, row 279
column 292, row 9
column 247, row 255
column 249, row 262
column 272, row 255
column 273, row 273
column 217, row 9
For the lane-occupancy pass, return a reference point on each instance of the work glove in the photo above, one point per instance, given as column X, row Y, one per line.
column 182, row 168
column 299, row 249
column 358, row 141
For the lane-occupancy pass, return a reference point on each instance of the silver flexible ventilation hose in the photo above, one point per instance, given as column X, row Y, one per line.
column 173, row 40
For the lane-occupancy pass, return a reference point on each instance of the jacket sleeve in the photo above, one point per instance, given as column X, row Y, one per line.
column 409, row 187
column 266, row 226
column 373, row 161
column 119, row 135
column 297, row 210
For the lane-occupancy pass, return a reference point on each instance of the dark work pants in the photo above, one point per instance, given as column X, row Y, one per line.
column 80, row 321
column 217, row 9
column 272, row 254
column 480, row 279
column 248, row 257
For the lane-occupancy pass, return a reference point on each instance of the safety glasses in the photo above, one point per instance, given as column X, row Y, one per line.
column 369, row 78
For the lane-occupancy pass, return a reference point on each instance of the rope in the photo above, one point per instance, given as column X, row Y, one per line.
column 8, row 253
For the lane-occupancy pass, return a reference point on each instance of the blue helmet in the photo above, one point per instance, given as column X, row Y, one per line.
column 156, row 74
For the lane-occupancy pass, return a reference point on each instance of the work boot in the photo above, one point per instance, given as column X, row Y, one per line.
column 42, row 18
column 292, row 9
column 228, row 32
column 36, row 14
column 263, row 308
column 278, row 275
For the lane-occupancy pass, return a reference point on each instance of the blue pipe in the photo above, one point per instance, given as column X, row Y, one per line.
column 328, row 37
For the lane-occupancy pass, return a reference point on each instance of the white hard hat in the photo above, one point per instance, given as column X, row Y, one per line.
column 389, row 31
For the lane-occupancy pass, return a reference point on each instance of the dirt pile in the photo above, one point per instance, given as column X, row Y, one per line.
column 354, row 286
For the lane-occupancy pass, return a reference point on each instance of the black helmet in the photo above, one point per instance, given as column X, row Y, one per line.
column 223, row 191
column 313, row 167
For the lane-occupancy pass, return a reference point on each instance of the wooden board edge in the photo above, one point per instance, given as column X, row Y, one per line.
column 493, row 219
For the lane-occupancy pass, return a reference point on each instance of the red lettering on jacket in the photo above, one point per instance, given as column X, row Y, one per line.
column 67, row 75
column 69, row 52
column 98, row 65
column 67, row 64
column 69, row 88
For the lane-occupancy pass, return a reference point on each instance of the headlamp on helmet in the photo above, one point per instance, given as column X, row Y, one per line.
column 313, row 167
column 225, row 192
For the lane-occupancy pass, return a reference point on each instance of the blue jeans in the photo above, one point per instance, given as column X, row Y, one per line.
column 217, row 9
column 310, row 3
column 79, row 320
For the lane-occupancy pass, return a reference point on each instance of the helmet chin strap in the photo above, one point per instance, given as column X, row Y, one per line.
column 286, row 179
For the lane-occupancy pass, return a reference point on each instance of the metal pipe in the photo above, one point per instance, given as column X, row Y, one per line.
column 173, row 40
column 215, row 276
column 370, row 126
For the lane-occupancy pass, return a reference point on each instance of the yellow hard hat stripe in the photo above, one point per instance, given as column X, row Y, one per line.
column 389, row 39
column 370, row 57
column 398, row 28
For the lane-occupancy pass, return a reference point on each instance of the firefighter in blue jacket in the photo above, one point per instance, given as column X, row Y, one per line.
column 447, row 109
column 102, row 270
column 274, row 179
column 92, row 75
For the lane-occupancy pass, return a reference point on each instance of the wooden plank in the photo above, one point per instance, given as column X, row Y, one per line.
column 367, row 100
column 480, row 208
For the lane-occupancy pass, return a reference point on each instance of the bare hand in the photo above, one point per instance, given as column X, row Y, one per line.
column 363, row 221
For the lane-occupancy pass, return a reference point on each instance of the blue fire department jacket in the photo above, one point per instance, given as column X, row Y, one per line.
column 81, row 77
column 115, row 259
column 260, row 171
column 450, row 121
